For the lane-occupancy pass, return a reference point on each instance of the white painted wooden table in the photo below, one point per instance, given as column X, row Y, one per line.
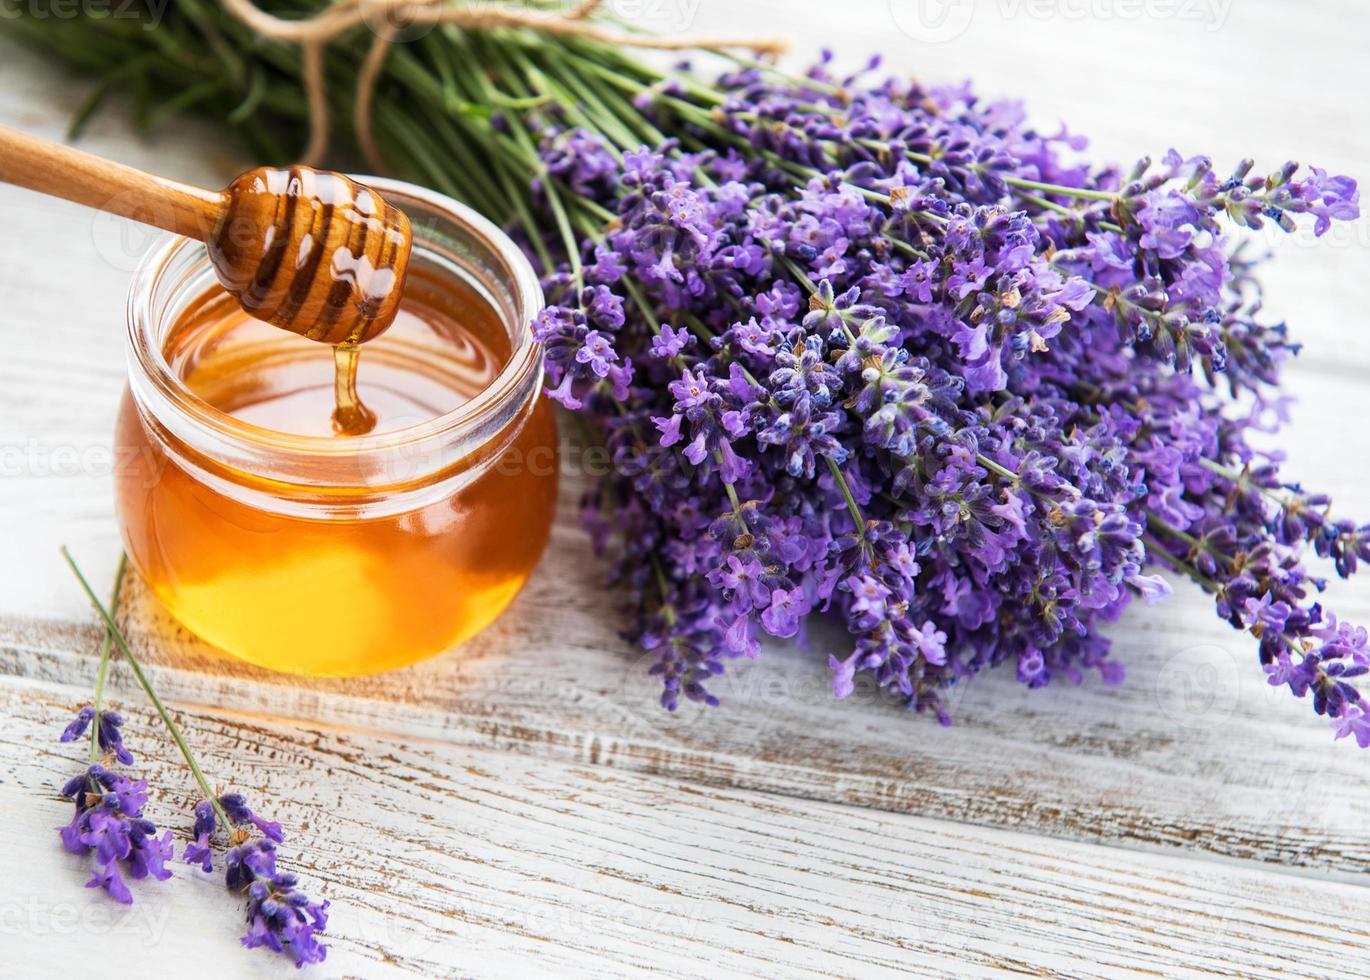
column 522, row 806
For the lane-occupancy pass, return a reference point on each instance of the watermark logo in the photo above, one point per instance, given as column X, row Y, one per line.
column 127, row 227
column 401, row 21
column 35, row 459
column 1199, row 687
column 933, row 21
column 661, row 16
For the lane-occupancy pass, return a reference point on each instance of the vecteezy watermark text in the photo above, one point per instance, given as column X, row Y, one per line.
column 938, row 21
column 36, row 459
column 145, row 922
column 148, row 11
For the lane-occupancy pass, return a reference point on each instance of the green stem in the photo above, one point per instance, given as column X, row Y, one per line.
column 519, row 128
column 1061, row 190
column 105, row 646
column 797, row 80
column 732, row 497
column 1239, row 480
column 1046, row 205
column 1157, row 550
column 525, row 216
column 113, row 630
column 611, row 121
column 667, row 609
column 996, row 468
column 1156, row 524
column 852, row 507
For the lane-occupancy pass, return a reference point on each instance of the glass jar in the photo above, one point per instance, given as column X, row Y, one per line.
column 339, row 556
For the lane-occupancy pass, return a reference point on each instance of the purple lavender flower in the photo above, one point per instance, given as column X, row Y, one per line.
column 78, row 725
column 1355, row 721
column 235, row 806
column 199, row 851
column 670, row 343
column 240, row 816
column 109, row 823
column 280, row 917
column 107, row 732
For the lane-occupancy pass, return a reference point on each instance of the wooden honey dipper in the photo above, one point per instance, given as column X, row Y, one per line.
column 306, row 250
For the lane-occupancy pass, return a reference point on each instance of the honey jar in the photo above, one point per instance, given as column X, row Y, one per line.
column 272, row 535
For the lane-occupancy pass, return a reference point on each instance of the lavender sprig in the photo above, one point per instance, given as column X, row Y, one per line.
column 109, row 823
column 106, row 736
column 108, row 819
column 279, row 916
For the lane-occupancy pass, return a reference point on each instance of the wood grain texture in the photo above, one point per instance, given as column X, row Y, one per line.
column 1193, row 755
column 445, row 861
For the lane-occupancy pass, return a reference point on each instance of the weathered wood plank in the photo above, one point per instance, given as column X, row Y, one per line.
column 443, row 860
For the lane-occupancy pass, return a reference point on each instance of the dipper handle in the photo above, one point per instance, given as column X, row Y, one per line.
column 306, row 250
column 84, row 178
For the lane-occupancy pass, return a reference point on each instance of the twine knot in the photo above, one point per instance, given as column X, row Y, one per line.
column 314, row 34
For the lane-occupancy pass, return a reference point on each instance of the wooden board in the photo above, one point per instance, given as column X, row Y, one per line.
column 1193, row 759
column 453, row 861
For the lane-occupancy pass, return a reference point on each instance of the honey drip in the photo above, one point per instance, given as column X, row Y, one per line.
column 319, row 255
column 350, row 416
column 444, row 348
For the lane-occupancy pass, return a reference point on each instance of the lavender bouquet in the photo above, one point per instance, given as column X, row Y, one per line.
column 878, row 350
column 863, row 348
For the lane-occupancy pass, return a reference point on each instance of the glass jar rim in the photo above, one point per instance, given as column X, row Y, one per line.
column 445, row 438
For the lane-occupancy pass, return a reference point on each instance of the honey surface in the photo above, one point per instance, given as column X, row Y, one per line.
column 336, row 596
column 444, row 347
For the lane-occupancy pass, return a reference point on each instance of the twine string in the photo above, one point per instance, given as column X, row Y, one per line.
column 315, row 33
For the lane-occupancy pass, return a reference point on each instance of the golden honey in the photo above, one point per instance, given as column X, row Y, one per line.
column 271, row 532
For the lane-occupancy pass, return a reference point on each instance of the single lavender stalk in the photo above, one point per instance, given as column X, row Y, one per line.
column 109, row 819
column 279, row 916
